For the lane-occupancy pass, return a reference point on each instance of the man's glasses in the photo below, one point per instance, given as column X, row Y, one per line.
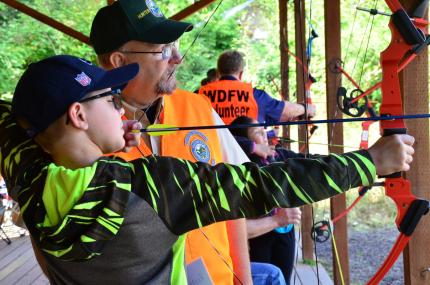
column 166, row 52
column 116, row 98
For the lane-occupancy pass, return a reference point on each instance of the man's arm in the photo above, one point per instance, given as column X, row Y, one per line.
column 236, row 229
column 280, row 111
column 239, row 252
column 293, row 111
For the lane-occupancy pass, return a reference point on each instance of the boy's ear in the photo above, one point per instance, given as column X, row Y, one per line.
column 117, row 59
column 77, row 116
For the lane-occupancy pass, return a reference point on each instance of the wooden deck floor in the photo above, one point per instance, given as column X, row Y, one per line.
column 18, row 264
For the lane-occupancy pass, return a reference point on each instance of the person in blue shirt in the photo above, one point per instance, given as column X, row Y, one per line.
column 272, row 237
column 232, row 98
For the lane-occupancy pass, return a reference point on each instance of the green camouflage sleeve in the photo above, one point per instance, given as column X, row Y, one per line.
column 185, row 195
column 189, row 195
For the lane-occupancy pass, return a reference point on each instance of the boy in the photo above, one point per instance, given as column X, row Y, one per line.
column 123, row 218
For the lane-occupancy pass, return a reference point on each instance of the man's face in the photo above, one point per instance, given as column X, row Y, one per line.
column 156, row 77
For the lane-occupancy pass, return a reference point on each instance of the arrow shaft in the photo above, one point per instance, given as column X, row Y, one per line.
column 307, row 122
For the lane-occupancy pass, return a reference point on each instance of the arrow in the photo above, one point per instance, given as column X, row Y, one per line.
column 161, row 129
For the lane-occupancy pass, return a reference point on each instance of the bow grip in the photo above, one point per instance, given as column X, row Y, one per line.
column 390, row 132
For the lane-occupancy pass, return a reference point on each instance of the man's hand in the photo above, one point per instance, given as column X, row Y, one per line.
column 263, row 150
column 293, row 111
column 286, row 216
column 132, row 139
column 311, row 110
column 392, row 154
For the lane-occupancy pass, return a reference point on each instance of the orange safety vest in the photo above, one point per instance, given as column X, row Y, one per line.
column 184, row 108
column 231, row 99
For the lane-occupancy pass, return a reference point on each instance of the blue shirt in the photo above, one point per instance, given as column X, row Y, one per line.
column 269, row 108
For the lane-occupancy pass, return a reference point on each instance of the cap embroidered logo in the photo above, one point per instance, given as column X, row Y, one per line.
column 83, row 79
column 154, row 8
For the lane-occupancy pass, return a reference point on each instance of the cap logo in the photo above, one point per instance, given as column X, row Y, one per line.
column 83, row 79
column 153, row 8
column 142, row 14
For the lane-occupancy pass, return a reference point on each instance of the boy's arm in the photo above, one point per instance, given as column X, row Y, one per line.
column 189, row 195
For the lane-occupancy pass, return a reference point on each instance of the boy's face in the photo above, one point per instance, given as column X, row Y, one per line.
column 156, row 75
column 105, row 127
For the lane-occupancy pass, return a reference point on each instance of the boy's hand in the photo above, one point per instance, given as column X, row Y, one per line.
column 392, row 154
column 132, row 139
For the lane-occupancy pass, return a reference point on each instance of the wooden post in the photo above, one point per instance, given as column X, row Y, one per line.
column 335, row 133
column 191, row 9
column 415, row 90
column 283, row 45
column 300, row 40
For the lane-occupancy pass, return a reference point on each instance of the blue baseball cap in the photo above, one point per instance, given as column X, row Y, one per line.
column 48, row 87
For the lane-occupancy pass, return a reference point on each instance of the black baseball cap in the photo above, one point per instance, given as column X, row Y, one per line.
column 127, row 20
column 48, row 87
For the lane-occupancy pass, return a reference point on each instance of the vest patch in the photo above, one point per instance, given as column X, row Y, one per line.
column 199, row 148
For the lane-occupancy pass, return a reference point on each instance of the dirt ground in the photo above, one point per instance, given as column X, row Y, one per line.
column 367, row 250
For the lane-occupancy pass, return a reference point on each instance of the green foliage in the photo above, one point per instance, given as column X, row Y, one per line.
column 25, row 40
column 252, row 28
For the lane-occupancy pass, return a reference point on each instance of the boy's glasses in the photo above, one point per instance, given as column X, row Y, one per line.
column 166, row 52
column 116, row 98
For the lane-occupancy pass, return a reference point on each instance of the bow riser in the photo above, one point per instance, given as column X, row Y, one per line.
column 391, row 98
column 399, row 190
column 407, row 36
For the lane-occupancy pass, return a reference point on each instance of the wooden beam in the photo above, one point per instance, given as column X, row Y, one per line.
column 335, row 134
column 301, row 77
column 284, row 71
column 191, row 9
column 47, row 20
column 415, row 90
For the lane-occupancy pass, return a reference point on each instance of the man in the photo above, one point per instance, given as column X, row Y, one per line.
column 136, row 31
column 232, row 98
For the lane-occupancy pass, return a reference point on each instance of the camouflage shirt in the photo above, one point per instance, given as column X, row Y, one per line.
column 73, row 214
